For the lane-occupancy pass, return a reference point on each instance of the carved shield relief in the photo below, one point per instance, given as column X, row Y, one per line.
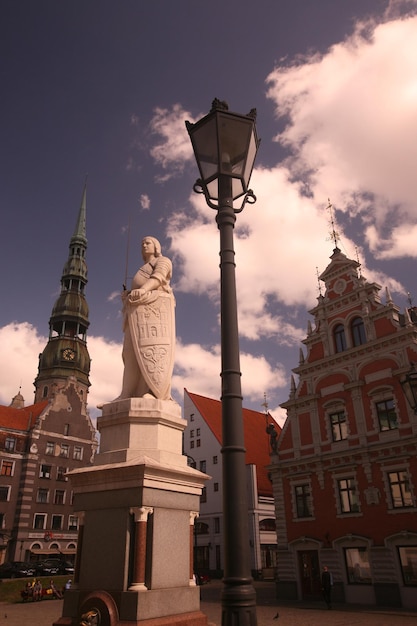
column 152, row 327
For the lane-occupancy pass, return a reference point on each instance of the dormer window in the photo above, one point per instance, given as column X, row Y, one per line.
column 358, row 332
column 339, row 338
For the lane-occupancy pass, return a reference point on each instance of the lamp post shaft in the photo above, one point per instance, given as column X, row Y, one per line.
column 238, row 595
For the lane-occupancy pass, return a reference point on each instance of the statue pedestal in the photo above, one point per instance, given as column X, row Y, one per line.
column 137, row 507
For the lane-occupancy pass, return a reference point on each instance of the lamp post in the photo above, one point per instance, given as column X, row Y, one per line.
column 409, row 385
column 225, row 146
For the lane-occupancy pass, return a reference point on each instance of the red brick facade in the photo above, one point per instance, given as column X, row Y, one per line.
column 345, row 472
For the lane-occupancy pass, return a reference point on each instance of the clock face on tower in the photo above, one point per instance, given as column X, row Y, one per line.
column 68, row 354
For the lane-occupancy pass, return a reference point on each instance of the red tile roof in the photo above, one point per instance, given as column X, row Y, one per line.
column 21, row 419
column 256, row 438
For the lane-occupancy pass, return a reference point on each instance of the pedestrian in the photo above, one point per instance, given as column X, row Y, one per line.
column 37, row 591
column 55, row 592
column 326, row 586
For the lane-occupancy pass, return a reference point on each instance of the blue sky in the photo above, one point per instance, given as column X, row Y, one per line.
column 104, row 87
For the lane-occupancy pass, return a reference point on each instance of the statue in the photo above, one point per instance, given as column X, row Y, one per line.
column 273, row 437
column 149, row 327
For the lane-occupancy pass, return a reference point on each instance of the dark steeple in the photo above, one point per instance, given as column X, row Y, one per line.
column 66, row 352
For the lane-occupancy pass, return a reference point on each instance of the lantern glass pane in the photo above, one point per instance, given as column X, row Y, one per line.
column 252, row 150
column 204, row 139
column 234, row 133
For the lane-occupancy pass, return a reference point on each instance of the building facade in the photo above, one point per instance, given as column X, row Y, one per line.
column 41, row 443
column 202, row 445
column 345, row 469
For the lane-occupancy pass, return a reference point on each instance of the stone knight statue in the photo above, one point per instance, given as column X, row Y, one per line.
column 149, row 327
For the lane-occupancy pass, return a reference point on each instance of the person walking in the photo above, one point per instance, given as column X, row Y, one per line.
column 326, row 586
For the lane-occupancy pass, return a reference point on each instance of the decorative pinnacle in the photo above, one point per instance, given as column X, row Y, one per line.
column 334, row 234
column 265, row 404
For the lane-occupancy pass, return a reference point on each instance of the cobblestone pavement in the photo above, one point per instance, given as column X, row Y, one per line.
column 314, row 614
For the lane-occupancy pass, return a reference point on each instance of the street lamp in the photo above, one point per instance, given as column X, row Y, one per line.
column 409, row 385
column 225, row 146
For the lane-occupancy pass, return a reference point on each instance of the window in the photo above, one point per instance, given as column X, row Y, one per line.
column 197, row 432
column 408, row 562
column 50, row 447
column 399, row 484
column 198, row 443
column 2, row 518
column 42, row 496
column 357, row 566
column 45, row 471
column 7, row 468
column 64, row 450
column 191, row 444
column 39, row 521
column 303, row 501
column 72, row 522
column 216, row 486
column 215, row 460
column 203, row 497
column 57, row 522
column 203, row 466
column 60, row 473
column 4, row 493
column 59, row 497
column 267, row 524
column 10, row 444
column 217, row 525
column 78, row 453
column 192, row 433
column 339, row 338
column 347, row 495
column 387, row 415
column 358, row 332
column 191, row 417
column 339, row 426
column 66, row 430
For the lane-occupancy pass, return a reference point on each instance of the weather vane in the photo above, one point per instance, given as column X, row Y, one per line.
column 358, row 261
column 265, row 404
column 318, row 280
column 334, row 235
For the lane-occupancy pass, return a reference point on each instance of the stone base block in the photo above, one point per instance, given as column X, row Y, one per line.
column 141, row 426
column 102, row 606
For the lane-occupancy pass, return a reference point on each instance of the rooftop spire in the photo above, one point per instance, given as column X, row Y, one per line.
column 80, row 231
column 334, row 234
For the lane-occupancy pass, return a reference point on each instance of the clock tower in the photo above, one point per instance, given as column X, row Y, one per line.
column 66, row 355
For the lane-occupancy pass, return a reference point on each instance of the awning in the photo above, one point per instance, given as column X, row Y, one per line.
column 54, row 552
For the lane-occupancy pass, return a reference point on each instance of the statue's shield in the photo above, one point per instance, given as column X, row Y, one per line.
column 152, row 327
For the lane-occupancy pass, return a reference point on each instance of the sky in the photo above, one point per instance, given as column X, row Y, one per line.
column 103, row 88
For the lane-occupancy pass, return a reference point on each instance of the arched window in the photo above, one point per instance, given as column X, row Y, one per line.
column 267, row 524
column 339, row 338
column 358, row 331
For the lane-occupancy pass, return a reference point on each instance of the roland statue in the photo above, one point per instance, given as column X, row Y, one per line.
column 149, row 327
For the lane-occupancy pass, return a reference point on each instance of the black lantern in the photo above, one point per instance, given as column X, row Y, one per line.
column 409, row 385
column 224, row 144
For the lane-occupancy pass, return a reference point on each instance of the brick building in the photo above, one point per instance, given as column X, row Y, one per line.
column 40, row 443
column 202, row 444
column 345, row 471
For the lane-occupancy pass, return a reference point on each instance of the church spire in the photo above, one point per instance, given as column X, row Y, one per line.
column 66, row 352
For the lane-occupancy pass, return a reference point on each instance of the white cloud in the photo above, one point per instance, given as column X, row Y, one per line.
column 279, row 242
column 21, row 345
column 145, row 201
column 173, row 148
column 350, row 123
column 198, row 369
